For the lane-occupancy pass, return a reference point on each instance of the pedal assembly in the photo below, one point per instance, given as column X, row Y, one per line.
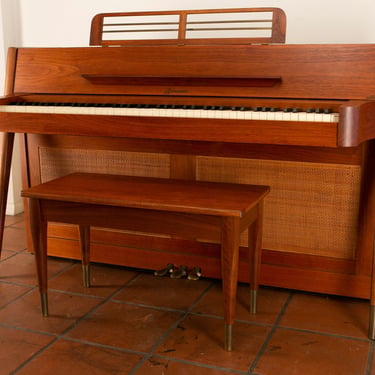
column 179, row 272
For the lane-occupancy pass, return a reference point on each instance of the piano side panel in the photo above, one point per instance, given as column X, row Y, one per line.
column 311, row 215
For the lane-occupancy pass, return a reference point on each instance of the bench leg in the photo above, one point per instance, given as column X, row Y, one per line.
column 255, row 248
column 230, row 239
column 84, row 238
column 38, row 229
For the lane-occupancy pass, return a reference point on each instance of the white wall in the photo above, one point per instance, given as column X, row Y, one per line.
column 48, row 23
column 10, row 34
column 58, row 23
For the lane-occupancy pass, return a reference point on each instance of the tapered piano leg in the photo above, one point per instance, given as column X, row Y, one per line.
column 255, row 248
column 38, row 229
column 6, row 161
column 84, row 237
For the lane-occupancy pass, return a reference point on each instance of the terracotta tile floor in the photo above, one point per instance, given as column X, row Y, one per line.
column 130, row 322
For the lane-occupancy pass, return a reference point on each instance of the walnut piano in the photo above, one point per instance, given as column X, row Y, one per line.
column 299, row 118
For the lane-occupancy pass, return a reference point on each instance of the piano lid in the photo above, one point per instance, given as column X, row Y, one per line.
column 270, row 71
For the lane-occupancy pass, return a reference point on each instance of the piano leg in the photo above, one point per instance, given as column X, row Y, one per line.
column 38, row 229
column 84, row 237
column 255, row 250
column 6, row 161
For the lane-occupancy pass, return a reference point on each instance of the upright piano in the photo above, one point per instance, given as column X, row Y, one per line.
column 300, row 118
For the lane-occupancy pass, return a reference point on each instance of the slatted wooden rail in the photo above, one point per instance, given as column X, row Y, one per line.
column 189, row 27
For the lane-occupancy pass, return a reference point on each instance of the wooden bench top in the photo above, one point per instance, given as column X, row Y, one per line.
column 197, row 197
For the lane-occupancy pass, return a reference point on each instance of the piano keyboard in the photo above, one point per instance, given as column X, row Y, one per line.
column 186, row 111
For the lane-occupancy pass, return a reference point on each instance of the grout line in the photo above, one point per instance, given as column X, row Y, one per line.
column 370, row 358
column 322, row 333
column 18, row 297
column 269, row 336
column 43, row 349
column 198, row 364
column 62, row 335
column 171, row 329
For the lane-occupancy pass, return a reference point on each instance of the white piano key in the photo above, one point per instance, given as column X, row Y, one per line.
column 294, row 116
column 174, row 112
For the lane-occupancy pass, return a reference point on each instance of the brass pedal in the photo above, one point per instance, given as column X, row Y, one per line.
column 195, row 273
column 165, row 271
column 179, row 273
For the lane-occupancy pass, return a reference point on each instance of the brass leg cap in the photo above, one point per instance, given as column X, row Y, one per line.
column 86, row 276
column 228, row 337
column 44, row 303
column 253, row 301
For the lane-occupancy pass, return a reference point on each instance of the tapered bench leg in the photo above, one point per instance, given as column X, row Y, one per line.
column 84, row 238
column 38, row 229
column 230, row 239
column 255, row 248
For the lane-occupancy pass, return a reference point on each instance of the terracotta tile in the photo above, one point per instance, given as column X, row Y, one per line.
column 9, row 292
column 163, row 291
column 105, row 280
column 125, row 326
column 200, row 339
column 14, row 219
column 64, row 310
column 66, row 357
column 270, row 302
column 17, row 346
column 21, row 268
column 372, row 361
column 159, row 366
column 14, row 239
column 294, row 353
column 6, row 254
column 329, row 314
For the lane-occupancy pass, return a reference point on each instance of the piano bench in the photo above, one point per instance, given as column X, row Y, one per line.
column 187, row 209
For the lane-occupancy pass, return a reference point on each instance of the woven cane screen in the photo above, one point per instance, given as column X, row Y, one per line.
column 312, row 207
column 56, row 162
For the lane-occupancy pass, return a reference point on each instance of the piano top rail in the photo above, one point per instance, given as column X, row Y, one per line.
column 189, row 27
